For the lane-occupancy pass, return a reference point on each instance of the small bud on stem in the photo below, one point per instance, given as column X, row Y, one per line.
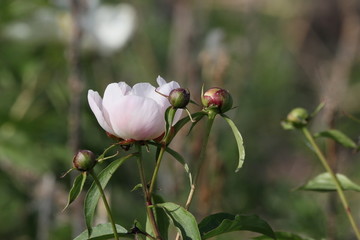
column 179, row 97
column 84, row 160
column 298, row 117
column 218, row 99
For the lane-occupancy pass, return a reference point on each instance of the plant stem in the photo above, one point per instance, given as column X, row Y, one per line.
column 339, row 189
column 209, row 123
column 147, row 196
column 98, row 184
column 156, row 170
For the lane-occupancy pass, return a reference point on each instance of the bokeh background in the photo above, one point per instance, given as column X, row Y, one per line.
column 271, row 55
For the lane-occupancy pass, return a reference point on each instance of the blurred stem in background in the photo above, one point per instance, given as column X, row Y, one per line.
column 339, row 189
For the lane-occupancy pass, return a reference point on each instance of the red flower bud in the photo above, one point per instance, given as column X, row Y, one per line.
column 217, row 98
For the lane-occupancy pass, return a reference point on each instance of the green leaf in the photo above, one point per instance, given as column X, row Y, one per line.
column 104, row 231
column 169, row 118
column 283, row 236
column 160, row 217
column 178, row 157
column 317, row 109
column 338, row 136
column 93, row 195
column 239, row 141
column 324, row 182
column 195, row 116
column 287, row 125
column 76, row 188
column 220, row 223
column 183, row 220
column 137, row 186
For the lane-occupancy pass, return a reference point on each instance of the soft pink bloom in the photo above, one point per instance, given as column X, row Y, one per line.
column 133, row 113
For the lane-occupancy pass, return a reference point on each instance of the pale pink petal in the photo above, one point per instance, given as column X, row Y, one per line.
column 95, row 103
column 138, row 118
column 160, row 81
column 143, row 90
column 165, row 89
column 114, row 91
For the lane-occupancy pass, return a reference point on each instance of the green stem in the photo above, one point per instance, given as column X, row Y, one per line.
column 164, row 142
column 147, row 196
column 209, row 123
column 339, row 189
column 156, row 170
column 98, row 184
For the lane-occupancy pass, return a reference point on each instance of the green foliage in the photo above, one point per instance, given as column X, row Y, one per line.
column 183, row 220
column 160, row 217
column 179, row 158
column 104, row 231
column 284, row 236
column 339, row 137
column 93, row 194
column 76, row 188
column 324, row 182
column 221, row 223
column 239, row 141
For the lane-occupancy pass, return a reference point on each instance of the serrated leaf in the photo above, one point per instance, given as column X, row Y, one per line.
column 104, row 231
column 76, row 188
column 183, row 220
column 93, row 195
column 161, row 218
column 239, row 141
column 337, row 136
column 324, row 182
column 221, row 223
column 283, row 236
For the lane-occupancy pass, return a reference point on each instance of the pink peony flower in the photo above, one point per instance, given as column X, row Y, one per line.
column 133, row 113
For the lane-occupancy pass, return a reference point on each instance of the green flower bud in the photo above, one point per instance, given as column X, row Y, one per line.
column 217, row 98
column 179, row 97
column 298, row 117
column 84, row 160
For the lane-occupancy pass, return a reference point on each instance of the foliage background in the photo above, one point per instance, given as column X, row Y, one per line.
column 271, row 55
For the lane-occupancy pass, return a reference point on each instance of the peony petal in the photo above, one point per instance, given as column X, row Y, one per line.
column 165, row 89
column 143, row 90
column 138, row 118
column 114, row 91
column 95, row 103
column 160, row 81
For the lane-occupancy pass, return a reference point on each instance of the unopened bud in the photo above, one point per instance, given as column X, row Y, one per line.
column 298, row 117
column 84, row 160
column 217, row 98
column 179, row 97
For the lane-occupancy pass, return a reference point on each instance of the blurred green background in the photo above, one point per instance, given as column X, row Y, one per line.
column 271, row 55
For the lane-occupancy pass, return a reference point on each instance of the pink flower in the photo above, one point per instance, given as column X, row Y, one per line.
column 133, row 113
